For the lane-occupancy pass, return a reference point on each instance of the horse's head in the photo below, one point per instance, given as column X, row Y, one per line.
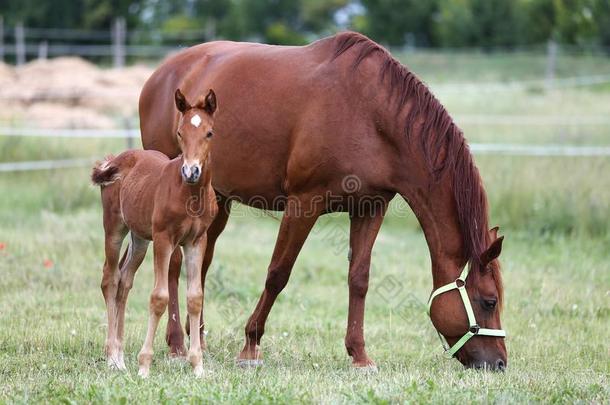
column 467, row 311
column 194, row 133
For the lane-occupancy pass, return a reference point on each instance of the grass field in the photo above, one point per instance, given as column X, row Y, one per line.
column 554, row 211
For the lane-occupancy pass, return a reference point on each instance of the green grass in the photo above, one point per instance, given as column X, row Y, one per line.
column 554, row 211
column 53, row 323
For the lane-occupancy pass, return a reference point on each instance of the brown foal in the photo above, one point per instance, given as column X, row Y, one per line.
column 170, row 202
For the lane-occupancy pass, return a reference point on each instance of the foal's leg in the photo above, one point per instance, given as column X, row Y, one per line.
column 174, row 336
column 134, row 255
column 215, row 229
column 162, row 248
column 194, row 257
column 296, row 225
column 110, row 281
column 363, row 231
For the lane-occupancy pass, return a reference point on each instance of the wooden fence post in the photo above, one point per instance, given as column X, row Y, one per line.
column 128, row 127
column 551, row 63
column 43, row 50
column 119, row 35
column 20, row 44
column 1, row 38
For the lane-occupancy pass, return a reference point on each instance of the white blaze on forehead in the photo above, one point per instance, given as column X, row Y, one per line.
column 196, row 120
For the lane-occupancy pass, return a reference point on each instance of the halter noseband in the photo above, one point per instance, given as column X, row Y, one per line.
column 473, row 329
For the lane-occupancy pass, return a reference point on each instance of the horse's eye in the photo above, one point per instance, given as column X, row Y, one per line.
column 209, row 134
column 179, row 134
column 490, row 304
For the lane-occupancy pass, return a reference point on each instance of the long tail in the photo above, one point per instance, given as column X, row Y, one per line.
column 105, row 172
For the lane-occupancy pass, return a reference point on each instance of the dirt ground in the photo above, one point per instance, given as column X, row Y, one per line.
column 69, row 92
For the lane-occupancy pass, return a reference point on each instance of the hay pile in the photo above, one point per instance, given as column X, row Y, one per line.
column 69, row 92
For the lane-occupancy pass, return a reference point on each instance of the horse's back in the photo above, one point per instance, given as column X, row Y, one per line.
column 282, row 112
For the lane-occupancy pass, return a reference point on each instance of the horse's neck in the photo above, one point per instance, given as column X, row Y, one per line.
column 434, row 206
column 435, row 211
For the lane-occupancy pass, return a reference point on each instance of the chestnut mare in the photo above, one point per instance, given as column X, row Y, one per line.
column 296, row 123
column 150, row 196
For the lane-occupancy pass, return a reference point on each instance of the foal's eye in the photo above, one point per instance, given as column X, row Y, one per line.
column 179, row 134
column 209, row 134
column 490, row 304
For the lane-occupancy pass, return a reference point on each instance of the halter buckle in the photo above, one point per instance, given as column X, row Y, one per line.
column 474, row 329
column 460, row 283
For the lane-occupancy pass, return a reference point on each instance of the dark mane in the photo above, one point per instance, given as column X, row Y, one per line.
column 443, row 143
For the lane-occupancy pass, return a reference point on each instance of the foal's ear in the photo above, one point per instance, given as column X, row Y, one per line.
column 181, row 104
column 492, row 252
column 209, row 104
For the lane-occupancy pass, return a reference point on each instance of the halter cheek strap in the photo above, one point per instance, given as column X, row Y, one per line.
column 473, row 327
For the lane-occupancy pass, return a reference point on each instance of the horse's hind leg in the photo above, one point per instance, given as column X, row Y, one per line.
column 115, row 233
column 134, row 255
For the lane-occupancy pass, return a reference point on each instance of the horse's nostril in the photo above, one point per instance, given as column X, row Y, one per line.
column 500, row 366
column 196, row 171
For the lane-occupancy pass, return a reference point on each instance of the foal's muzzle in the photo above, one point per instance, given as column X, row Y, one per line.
column 191, row 173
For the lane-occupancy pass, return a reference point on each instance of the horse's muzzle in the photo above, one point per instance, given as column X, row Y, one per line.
column 191, row 174
column 497, row 365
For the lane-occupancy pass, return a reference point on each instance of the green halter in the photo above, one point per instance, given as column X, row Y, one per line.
column 473, row 329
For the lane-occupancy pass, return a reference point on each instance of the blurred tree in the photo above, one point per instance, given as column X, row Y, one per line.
column 454, row 22
column 540, row 20
column 318, row 15
column 575, row 23
column 486, row 23
column 601, row 15
column 87, row 14
column 392, row 21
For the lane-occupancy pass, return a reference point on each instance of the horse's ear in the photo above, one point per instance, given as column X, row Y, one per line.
column 493, row 232
column 181, row 104
column 492, row 252
column 209, row 104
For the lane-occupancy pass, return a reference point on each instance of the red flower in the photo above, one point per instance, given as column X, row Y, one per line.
column 48, row 263
column 2, row 245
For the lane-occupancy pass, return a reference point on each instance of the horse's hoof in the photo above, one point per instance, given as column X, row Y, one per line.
column 249, row 363
column 366, row 369
column 198, row 371
column 143, row 372
column 116, row 364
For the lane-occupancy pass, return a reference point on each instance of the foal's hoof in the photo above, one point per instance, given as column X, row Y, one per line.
column 117, row 364
column 198, row 371
column 249, row 363
column 143, row 372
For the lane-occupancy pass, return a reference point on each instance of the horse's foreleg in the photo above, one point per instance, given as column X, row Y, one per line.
column 158, row 299
column 215, row 229
column 296, row 225
column 174, row 336
column 363, row 231
column 194, row 257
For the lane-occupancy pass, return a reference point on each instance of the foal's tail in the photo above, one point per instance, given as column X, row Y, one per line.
column 105, row 172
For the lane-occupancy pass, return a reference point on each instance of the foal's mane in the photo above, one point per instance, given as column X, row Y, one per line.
column 443, row 143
